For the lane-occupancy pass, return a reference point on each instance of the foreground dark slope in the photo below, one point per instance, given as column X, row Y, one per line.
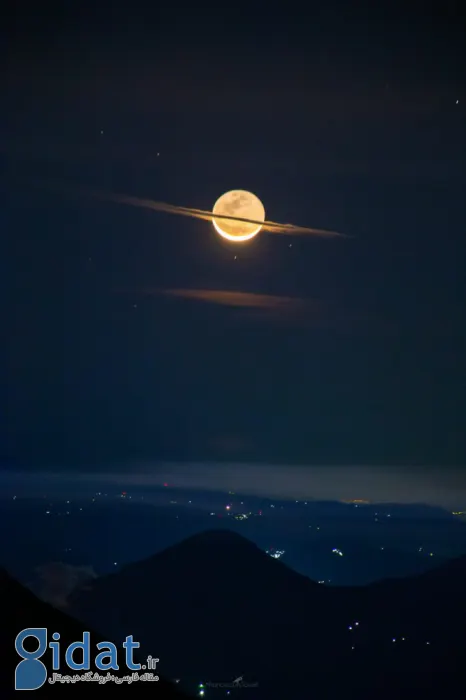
column 215, row 607
column 21, row 609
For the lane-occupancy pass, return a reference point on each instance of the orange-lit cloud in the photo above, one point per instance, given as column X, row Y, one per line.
column 282, row 310
column 245, row 300
column 204, row 214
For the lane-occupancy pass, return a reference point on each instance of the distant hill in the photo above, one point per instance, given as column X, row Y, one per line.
column 215, row 607
column 20, row 610
column 206, row 606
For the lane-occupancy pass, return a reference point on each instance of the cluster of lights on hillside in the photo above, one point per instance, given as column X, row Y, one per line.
column 275, row 553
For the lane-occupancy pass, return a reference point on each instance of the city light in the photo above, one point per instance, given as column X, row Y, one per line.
column 275, row 553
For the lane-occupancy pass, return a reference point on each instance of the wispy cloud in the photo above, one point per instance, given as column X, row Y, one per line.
column 282, row 310
column 203, row 214
column 245, row 300
column 291, row 312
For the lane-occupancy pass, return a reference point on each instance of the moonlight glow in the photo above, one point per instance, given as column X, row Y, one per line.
column 241, row 204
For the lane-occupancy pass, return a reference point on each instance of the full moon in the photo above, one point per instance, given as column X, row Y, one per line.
column 244, row 205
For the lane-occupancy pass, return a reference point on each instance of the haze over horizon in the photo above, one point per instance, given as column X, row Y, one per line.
column 443, row 487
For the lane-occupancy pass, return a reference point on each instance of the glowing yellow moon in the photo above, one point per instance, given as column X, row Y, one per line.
column 244, row 205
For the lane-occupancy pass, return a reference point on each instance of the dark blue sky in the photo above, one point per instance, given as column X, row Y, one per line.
column 335, row 120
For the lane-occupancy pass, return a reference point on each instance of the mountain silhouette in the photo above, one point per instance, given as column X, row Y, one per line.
column 21, row 609
column 215, row 607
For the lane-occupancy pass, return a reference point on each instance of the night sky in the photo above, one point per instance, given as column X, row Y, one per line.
column 121, row 344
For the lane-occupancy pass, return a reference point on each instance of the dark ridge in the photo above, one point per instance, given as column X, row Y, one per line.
column 453, row 571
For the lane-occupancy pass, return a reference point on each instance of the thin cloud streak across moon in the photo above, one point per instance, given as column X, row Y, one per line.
column 205, row 215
